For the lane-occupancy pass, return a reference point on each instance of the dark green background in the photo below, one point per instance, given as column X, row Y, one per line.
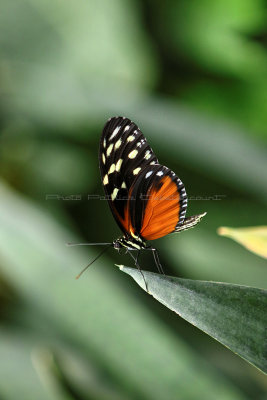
column 193, row 76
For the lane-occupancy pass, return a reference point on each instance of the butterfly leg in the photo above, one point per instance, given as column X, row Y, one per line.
column 157, row 261
column 137, row 265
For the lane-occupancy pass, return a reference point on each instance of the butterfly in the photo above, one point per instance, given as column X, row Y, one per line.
column 147, row 200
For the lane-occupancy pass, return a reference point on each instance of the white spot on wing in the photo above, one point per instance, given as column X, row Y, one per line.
column 160, row 173
column 104, row 143
column 149, row 173
column 114, row 194
column 109, row 150
column 127, row 127
column 133, row 154
column 103, row 158
column 115, row 132
column 123, row 185
column 130, row 138
column 136, row 170
column 105, row 180
column 118, row 165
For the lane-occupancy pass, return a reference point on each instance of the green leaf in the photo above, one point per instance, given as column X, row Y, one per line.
column 252, row 238
column 232, row 314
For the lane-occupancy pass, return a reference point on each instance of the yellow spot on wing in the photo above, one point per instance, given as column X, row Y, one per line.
column 147, row 155
column 105, row 180
column 117, row 144
column 111, row 169
column 118, row 165
column 114, row 194
column 109, row 150
column 133, row 154
column 136, row 170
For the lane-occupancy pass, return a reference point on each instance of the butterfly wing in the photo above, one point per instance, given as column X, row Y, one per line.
column 159, row 204
column 123, row 154
column 147, row 200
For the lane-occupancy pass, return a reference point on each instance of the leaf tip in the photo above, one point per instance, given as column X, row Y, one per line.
column 120, row 266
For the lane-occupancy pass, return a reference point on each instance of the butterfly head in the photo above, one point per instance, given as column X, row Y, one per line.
column 117, row 244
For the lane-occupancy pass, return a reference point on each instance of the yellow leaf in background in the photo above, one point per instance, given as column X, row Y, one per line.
column 254, row 238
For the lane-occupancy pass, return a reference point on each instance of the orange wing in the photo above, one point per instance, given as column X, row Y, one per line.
column 161, row 214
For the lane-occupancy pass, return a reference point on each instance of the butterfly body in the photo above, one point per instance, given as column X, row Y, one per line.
column 129, row 243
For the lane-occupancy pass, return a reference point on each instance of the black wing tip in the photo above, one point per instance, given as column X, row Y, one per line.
column 115, row 121
column 118, row 117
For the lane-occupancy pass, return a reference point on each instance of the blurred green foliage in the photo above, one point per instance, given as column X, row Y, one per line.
column 193, row 76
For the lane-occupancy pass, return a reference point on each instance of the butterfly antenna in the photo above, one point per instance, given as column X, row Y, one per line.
column 87, row 244
column 99, row 255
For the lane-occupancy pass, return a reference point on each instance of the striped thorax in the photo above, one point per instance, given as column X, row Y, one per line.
column 129, row 243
